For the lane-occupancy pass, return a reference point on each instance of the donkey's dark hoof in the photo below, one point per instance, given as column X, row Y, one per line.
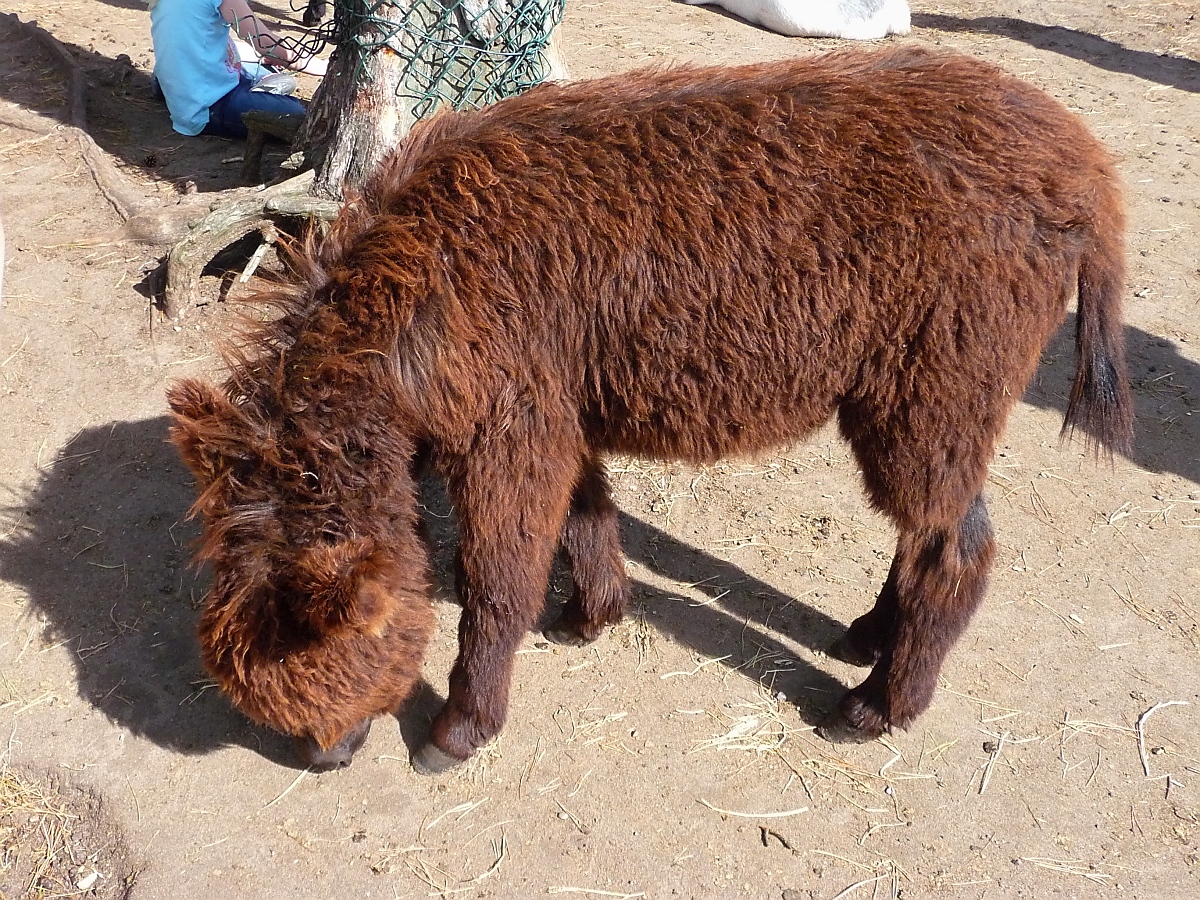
column 433, row 760
column 562, row 633
column 847, row 651
column 837, row 729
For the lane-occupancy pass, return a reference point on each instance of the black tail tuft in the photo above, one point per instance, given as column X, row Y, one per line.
column 1100, row 404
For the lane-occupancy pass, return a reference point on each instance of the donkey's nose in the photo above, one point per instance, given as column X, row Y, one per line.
column 339, row 755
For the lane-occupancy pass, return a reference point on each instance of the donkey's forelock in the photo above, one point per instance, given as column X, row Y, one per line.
column 235, row 527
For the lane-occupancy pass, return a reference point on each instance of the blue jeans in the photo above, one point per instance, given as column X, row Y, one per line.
column 225, row 116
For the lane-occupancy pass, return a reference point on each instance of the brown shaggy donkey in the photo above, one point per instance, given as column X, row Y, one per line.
column 685, row 264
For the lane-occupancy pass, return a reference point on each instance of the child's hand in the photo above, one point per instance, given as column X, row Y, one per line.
column 311, row 65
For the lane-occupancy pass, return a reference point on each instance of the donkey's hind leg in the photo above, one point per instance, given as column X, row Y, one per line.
column 940, row 574
column 864, row 642
column 592, row 541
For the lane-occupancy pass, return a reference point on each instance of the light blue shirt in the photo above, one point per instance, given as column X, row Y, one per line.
column 191, row 59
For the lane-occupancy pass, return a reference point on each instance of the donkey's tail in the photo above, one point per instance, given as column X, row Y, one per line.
column 1100, row 404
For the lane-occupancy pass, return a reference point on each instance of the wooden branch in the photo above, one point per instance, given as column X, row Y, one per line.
column 304, row 207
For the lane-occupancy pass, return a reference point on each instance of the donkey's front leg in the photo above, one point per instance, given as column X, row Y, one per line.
column 510, row 517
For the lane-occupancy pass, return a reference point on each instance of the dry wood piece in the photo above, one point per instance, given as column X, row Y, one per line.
column 1141, row 730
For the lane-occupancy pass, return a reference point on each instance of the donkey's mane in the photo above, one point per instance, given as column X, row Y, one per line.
column 288, row 297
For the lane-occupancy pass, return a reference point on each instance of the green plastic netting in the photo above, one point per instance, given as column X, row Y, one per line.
column 465, row 53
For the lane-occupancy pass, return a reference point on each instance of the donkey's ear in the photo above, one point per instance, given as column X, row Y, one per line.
column 206, row 427
column 193, row 399
column 345, row 587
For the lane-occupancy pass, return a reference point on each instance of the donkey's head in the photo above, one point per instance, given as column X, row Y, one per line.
column 319, row 612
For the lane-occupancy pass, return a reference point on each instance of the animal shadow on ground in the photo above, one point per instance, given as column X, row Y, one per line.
column 1166, row 394
column 1174, row 71
column 739, row 627
column 102, row 550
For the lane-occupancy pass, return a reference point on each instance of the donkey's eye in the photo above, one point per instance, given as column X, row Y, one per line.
column 242, row 468
column 357, row 454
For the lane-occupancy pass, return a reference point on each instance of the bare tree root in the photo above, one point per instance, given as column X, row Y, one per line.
column 231, row 222
column 112, row 184
column 198, row 227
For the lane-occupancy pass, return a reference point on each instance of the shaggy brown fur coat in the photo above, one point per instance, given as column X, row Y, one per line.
column 686, row 264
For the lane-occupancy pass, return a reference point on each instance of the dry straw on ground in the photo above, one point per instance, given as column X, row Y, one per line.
column 49, row 848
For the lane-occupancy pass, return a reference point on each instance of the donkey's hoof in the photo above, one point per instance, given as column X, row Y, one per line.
column 562, row 633
column 837, row 729
column 847, row 651
column 433, row 760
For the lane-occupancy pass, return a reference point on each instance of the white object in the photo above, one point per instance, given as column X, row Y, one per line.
column 246, row 58
column 87, row 882
column 276, row 83
column 857, row 20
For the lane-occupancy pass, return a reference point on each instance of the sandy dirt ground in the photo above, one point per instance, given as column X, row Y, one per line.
column 675, row 757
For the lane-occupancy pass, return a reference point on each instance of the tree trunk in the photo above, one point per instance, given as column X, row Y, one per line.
column 481, row 50
column 380, row 81
column 357, row 114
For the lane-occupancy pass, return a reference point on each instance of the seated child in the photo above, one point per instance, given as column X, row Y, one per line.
column 198, row 67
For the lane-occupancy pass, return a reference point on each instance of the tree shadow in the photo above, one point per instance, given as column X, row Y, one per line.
column 1166, row 396
column 139, row 5
column 1177, row 72
column 124, row 117
column 740, row 619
